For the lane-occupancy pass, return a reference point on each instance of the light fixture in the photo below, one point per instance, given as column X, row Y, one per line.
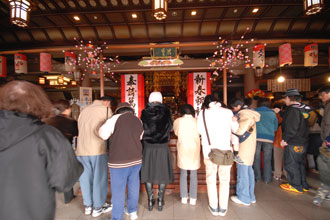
column 134, row 15
column 193, row 13
column 313, row 6
column 329, row 79
column 73, row 83
column 76, row 18
column 42, row 80
column 255, row 10
column 159, row 9
column 20, row 12
column 281, row 79
column 60, row 80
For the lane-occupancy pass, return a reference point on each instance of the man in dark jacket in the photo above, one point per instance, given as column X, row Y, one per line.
column 35, row 159
column 295, row 140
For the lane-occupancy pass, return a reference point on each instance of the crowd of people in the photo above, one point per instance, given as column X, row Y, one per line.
column 37, row 156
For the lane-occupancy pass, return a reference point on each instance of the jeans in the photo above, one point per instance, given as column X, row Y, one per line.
column 245, row 184
column 267, row 149
column 94, row 180
column 294, row 164
column 120, row 178
column 211, row 180
column 193, row 184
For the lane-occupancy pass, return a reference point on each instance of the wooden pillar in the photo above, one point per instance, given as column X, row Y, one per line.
column 101, row 76
column 250, row 81
column 86, row 81
column 224, row 81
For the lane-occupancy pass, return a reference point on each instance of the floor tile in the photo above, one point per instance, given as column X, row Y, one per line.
column 281, row 210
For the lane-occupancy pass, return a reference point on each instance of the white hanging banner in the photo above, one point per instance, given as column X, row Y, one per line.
column 259, row 56
column 70, row 60
column 311, row 55
column 20, row 63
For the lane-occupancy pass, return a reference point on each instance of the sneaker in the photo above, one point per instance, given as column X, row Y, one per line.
column 184, row 200
column 305, row 190
column 317, row 201
column 236, row 200
column 133, row 216
column 192, row 201
column 290, row 188
column 254, row 201
column 105, row 208
column 222, row 212
column 214, row 211
column 277, row 178
column 88, row 210
column 327, row 197
column 238, row 160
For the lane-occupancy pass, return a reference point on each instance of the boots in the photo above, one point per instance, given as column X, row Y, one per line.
column 161, row 194
column 150, row 193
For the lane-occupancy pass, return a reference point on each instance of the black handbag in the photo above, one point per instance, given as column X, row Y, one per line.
column 219, row 157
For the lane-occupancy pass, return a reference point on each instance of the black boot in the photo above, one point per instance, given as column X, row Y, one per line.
column 150, row 192
column 161, row 194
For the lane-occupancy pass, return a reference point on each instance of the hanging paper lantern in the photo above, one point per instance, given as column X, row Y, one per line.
column 3, row 66
column 256, row 92
column 329, row 57
column 285, row 54
column 45, row 62
column 70, row 61
column 259, row 56
column 20, row 63
column 311, row 55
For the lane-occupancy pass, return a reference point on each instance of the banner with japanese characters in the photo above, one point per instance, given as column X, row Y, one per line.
column 45, row 62
column 311, row 55
column 85, row 96
column 198, row 86
column 285, row 54
column 132, row 91
column 258, row 56
column 20, row 63
column 3, row 66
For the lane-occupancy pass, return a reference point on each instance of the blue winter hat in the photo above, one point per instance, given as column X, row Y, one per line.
column 327, row 141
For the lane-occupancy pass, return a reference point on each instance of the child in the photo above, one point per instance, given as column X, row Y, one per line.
column 188, row 147
column 323, row 162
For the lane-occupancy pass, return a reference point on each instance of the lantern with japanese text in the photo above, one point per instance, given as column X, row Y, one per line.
column 45, row 62
column 285, row 54
column 20, row 63
column 70, row 61
column 3, row 66
column 311, row 55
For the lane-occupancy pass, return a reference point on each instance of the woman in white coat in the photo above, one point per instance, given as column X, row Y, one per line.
column 188, row 148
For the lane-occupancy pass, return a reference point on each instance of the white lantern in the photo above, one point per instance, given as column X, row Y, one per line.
column 20, row 12
column 313, row 6
column 159, row 9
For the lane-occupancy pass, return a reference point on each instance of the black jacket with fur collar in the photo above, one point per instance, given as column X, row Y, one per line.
column 157, row 123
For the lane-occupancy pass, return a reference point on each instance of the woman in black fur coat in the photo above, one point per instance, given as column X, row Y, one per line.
column 156, row 162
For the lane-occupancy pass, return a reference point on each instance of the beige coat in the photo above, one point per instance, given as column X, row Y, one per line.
column 89, row 122
column 247, row 149
column 188, row 145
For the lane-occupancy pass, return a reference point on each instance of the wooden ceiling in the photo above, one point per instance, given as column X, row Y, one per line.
column 52, row 22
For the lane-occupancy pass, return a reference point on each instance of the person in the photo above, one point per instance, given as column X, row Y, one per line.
column 278, row 149
column 125, row 157
column 188, row 148
column 36, row 159
column 92, row 153
column 315, row 141
column 156, row 162
column 324, row 94
column 266, row 127
column 67, row 126
column 295, row 140
column 245, row 175
column 220, row 125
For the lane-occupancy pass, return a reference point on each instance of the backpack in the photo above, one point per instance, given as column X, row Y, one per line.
column 319, row 117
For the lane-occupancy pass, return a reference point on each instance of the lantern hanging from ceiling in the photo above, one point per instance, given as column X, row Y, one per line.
column 159, row 9
column 313, row 6
column 20, row 12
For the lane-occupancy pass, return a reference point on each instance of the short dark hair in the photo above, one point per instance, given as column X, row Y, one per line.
column 278, row 104
column 25, row 97
column 236, row 102
column 263, row 102
column 295, row 98
column 124, row 109
column 187, row 109
column 106, row 98
column 61, row 105
column 207, row 100
column 325, row 89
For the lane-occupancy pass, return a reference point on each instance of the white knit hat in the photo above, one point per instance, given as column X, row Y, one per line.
column 156, row 97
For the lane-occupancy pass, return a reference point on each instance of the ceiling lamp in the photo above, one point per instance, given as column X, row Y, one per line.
column 159, row 9
column 20, row 12
column 312, row 7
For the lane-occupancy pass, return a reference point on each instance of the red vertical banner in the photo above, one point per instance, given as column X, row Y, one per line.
column 20, row 63
column 285, row 54
column 311, row 55
column 3, row 66
column 132, row 91
column 198, row 86
column 45, row 62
